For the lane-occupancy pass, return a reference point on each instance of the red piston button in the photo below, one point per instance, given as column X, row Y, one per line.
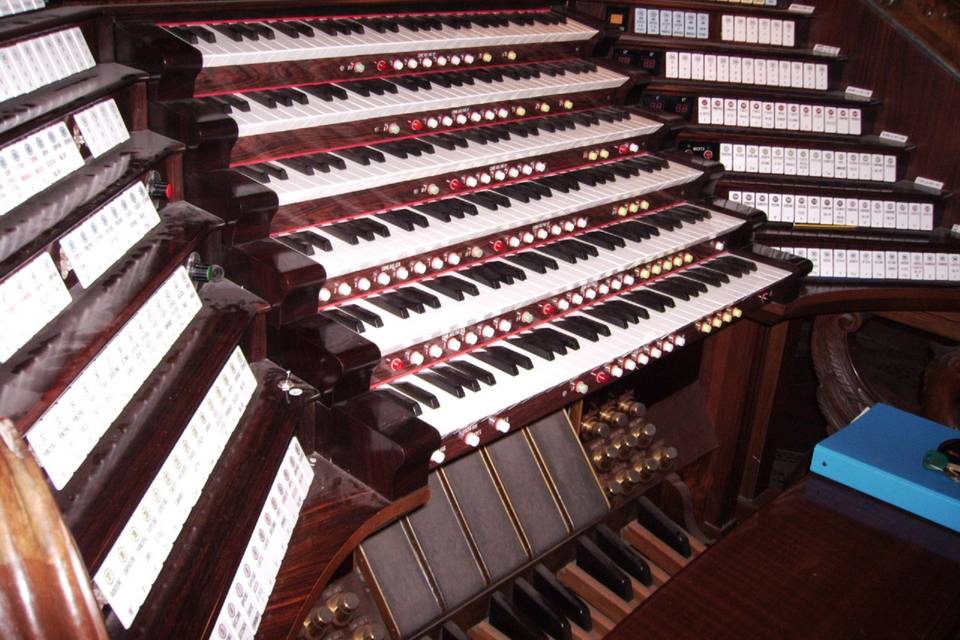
column 456, row 184
column 416, row 125
column 624, row 149
column 382, row 65
column 499, row 245
column 396, row 364
column 602, row 377
column 548, row 309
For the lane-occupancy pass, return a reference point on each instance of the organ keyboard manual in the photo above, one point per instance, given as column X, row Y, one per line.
column 356, row 320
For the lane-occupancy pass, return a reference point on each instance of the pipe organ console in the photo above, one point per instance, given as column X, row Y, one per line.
column 354, row 320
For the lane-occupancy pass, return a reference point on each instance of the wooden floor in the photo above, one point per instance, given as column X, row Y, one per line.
column 821, row 562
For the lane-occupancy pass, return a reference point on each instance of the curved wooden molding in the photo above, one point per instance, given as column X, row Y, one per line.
column 46, row 589
column 842, row 394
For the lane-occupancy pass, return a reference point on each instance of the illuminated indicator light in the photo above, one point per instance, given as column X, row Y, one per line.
column 581, row 388
column 485, row 178
column 476, row 252
column 437, row 457
column 616, row 371
column 324, row 294
column 401, row 273
column 504, row 325
column 526, row 317
column 436, row 263
column 398, row 65
column 470, row 338
column 435, row 351
column 472, row 439
column 502, row 425
column 602, row 377
column 396, row 364
column 344, row 289
column 453, row 258
column 419, row 268
column 499, row 245
column 514, row 242
column 576, row 298
column 363, row 284
column 415, row 358
column 383, row 278
column 563, row 304
column 359, row 67
column 487, row 331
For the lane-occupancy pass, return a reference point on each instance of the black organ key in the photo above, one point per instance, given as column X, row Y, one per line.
column 660, row 525
column 420, row 395
column 638, row 313
column 632, row 230
column 456, row 377
column 706, row 276
column 186, row 34
column 497, row 361
column 235, row 102
column 672, row 289
column 297, row 244
column 595, row 562
column 531, row 345
column 443, row 143
column 661, row 221
column 508, row 620
column 230, row 31
column 578, row 329
column 601, row 312
column 254, row 173
column 325, row 92
column 441, row 383
column 696, row 212
column 691, row 282
column 623, row 555
column 362, row 155
column 364, row 315
column 422, row 297
column 404, row 401
column 553, row 334
column 603, row 240
column 562, row 597
column 406, row 299
column 506, row 271
column 344, row 319
column 534, row 262
column 475, row 372
column 405, row 219
column 650, row 299
column 389, row 305
column 452, row 287
column 539, row 610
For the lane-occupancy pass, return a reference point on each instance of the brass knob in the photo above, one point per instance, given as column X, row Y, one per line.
column 614, row 489
column 646, row 467
column 666, row 456
column 343, row 606
column 632, row 408
column 614, row 417
column 603, row 457
column 624, row 445
column 317, row 623
column 370, row 632
column 628, row 478
column 594, row 428
column 644, row 432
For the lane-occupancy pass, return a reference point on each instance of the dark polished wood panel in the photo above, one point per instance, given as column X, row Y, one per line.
column 822, row 561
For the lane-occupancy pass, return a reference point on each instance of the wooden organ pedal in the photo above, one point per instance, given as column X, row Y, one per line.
column 299, row 293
